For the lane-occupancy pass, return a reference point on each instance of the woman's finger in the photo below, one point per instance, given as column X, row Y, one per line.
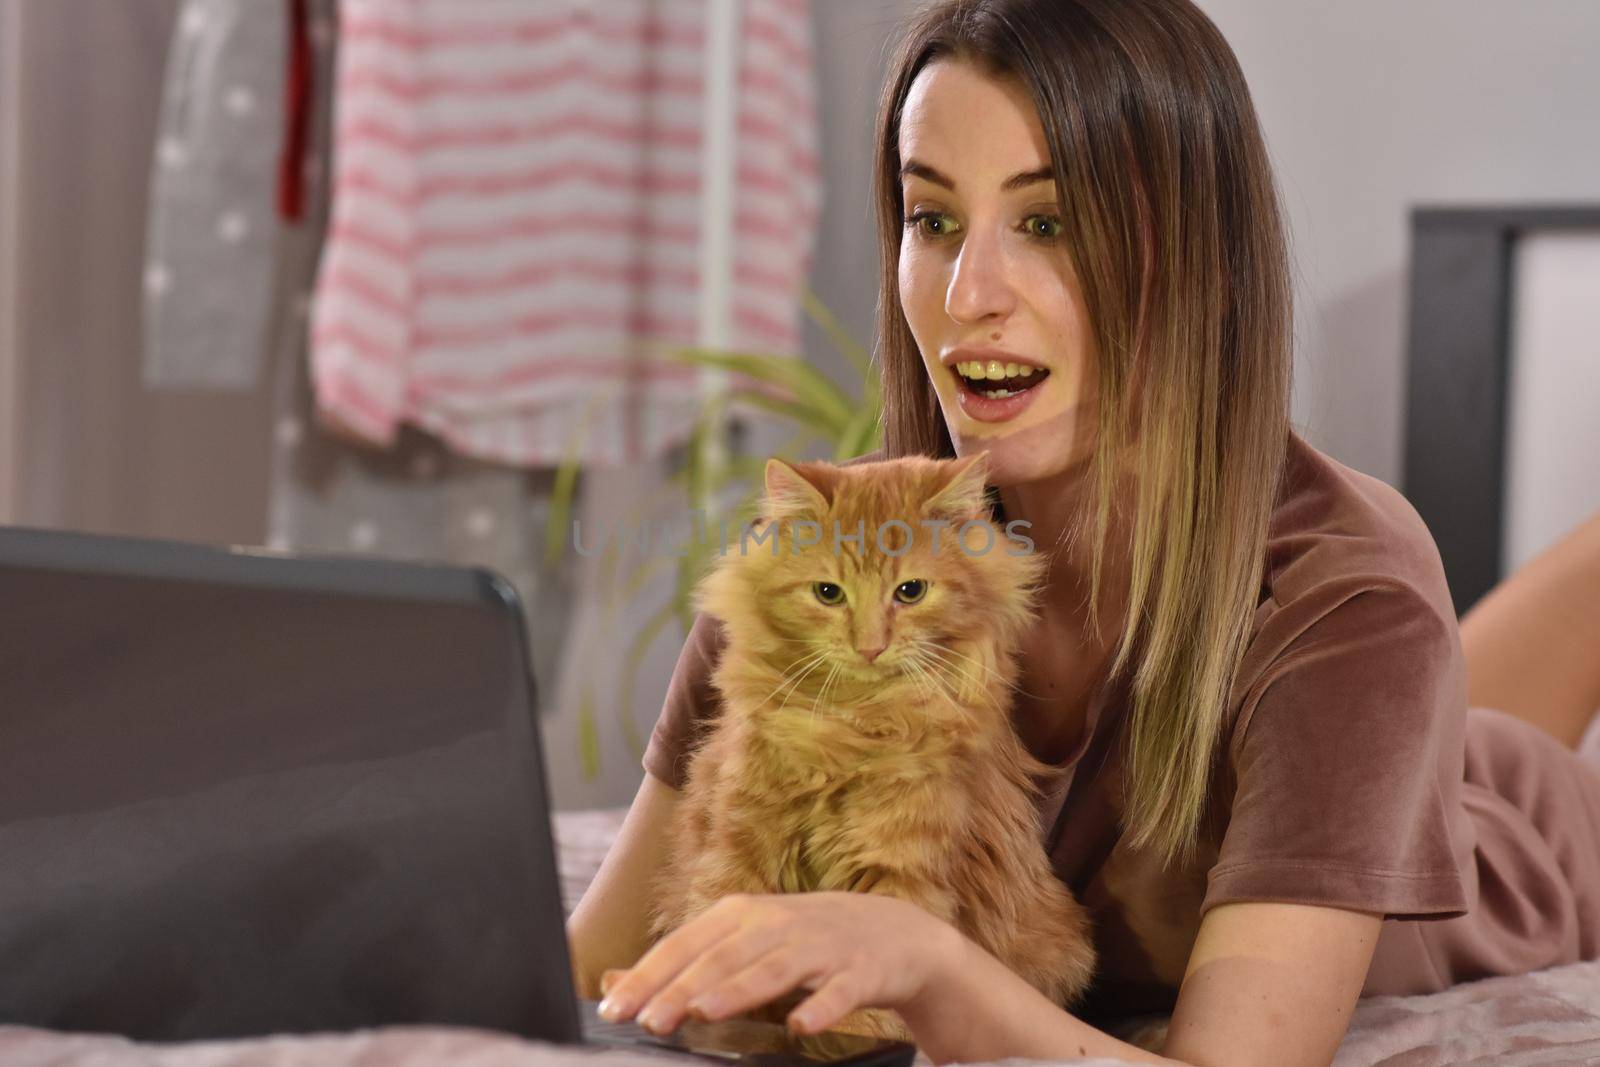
column 669, row 956
column 786, row 967
column 835, row 998
column 753, row 942
column 609, row 977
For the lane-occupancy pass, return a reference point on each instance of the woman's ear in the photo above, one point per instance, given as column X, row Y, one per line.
column 790, row 492
column 964, row 493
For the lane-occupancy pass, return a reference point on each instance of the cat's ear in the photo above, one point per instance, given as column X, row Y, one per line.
column 790, row 492
column 964, row 493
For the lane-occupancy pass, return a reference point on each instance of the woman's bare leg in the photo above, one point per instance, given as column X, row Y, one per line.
column 1533, row 642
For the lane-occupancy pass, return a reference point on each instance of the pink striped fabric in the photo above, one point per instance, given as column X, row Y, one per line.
column 516, row 210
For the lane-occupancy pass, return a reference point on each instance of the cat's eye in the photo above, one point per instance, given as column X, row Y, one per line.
column 828, row 593
column 910, row 592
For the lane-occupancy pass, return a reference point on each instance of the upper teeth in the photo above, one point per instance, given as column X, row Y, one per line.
column 993, row 368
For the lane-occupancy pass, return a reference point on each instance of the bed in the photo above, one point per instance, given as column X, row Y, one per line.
column 1549, row 1017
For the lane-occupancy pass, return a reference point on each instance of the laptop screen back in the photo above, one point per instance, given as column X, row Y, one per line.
column 242, row 795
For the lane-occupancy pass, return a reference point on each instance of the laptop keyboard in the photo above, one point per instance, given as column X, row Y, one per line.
column 599, row 1031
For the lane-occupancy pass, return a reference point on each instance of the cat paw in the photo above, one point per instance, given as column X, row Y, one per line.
column 873, row 1022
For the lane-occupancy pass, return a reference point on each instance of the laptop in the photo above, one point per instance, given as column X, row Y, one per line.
column 245, row 793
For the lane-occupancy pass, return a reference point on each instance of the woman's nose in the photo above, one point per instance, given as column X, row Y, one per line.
column 979, row 289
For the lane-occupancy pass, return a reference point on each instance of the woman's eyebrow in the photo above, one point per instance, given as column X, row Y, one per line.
column 913, row 168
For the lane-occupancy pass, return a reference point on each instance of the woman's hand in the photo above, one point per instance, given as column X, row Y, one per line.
column 853, row 950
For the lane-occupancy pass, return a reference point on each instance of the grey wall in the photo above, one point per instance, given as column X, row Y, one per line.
column 1371, row 106
column 98, row 452
column 852, row 37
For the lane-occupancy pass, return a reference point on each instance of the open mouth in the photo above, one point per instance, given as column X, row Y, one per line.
column 996, row 380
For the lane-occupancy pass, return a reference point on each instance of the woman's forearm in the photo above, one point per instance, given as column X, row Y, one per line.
column 610, row 927
column 975, row 1008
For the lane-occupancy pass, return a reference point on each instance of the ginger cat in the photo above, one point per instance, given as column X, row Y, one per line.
column 865, row 742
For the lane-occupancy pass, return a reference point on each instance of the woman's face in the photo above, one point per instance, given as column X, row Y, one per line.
column 985, row 281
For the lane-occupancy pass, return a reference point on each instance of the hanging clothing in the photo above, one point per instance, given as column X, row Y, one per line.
column 208, row 249
column 299, row 100
column 417, row 500
column 516, row 216
column 246, row 131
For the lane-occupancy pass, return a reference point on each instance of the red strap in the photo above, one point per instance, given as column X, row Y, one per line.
column 297, row 98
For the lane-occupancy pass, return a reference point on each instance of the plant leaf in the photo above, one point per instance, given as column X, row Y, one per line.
column 809, row 385
column 786, row 387
column 830, row 325
column 588, row 735
column 563, row 492
column 815, row 422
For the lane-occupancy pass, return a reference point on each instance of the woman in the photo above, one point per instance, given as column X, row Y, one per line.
column 1247, row 657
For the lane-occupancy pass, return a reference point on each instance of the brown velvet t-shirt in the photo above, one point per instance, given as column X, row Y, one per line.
column 1355, row 775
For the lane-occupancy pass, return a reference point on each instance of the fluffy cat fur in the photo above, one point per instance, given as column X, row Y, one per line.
column 901, row 774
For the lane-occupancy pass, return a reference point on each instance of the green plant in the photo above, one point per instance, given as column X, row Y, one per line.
column 724, row 488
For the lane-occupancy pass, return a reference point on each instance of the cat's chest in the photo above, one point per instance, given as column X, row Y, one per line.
column 819, row 832
column 819, row 786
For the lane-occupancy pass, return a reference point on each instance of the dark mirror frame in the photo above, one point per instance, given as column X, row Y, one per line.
column 1459, row 361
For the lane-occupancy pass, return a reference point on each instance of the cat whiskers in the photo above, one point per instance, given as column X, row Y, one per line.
column 945, row 670
column 826, row 682
column 795, row 675
column 939, row 652
column 796, row 687
column 917, row 669
column 951, row 673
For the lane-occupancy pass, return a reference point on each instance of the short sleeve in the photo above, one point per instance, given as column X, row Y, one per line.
column 692, row 703
column 1347, row 765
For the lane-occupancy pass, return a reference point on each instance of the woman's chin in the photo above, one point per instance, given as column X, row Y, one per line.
column 1011, row 465
column 1034, row 447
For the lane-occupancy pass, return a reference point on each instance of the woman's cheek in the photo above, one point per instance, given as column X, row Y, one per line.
column 907, row 272
column 913, row 297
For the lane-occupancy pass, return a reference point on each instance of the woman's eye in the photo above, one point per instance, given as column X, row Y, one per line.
column 828, row 593
column 1049, row 230
column 917, row 220
column 910, row 592
column 938, row 224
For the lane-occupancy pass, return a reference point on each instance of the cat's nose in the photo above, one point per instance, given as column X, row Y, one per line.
column 870, row 654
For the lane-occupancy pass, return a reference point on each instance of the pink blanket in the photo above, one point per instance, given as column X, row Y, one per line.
column 1543, row 1018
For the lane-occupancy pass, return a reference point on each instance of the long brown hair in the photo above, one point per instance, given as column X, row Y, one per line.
column 1173, row 226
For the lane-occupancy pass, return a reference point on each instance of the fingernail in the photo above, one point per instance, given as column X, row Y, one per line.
column 650, row 1019
column 802, row 1021
column 610, row 1010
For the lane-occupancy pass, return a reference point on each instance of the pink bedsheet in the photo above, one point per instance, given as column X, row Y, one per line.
column 1550, row 1017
